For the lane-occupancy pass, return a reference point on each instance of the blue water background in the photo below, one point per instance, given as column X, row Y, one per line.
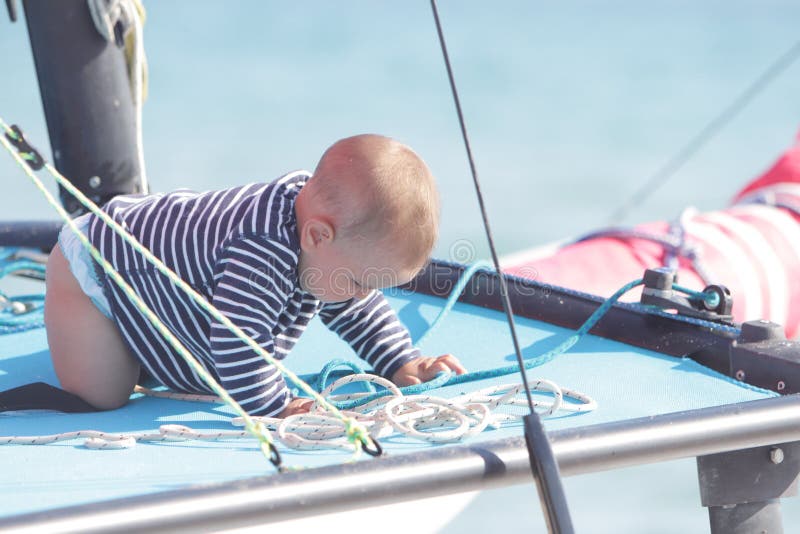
column 570, row 105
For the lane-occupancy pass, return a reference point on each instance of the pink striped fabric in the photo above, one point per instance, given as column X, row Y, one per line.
column 753, row 247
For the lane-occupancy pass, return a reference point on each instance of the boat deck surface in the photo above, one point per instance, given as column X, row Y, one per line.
column 626, row 381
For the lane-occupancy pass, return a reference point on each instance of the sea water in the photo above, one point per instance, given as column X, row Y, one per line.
column 570, row 106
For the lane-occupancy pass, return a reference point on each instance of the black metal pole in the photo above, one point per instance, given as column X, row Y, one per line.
column 12, row 10
column 742, row 488
column 548, row 477
column 87, row 101
column 542, row 460
column 34, row 234
column 435, row 472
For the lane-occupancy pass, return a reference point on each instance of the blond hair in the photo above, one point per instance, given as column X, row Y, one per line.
column 379, row 191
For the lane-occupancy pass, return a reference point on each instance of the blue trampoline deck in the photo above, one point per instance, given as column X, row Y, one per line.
column 627, row 382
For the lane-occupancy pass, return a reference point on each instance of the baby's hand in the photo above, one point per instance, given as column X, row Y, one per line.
column 295, row 406
column 426, row 368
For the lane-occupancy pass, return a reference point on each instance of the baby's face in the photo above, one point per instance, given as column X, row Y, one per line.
column 343, row 270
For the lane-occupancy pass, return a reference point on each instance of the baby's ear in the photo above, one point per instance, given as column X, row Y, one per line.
column 317, row 232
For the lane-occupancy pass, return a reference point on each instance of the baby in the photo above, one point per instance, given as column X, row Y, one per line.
column 269, row 257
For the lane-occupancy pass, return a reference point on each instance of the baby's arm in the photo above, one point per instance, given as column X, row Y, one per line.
column 373, row 330
column 251, row 289
column 377, row 335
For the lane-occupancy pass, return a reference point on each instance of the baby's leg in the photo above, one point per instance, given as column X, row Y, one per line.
column 89, row 355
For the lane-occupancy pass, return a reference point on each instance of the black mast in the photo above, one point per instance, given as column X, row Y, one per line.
column 87, row 99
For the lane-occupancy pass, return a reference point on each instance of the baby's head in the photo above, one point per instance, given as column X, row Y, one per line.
column 367, row 219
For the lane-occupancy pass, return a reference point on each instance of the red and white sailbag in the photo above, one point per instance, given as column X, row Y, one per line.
column 752, row 247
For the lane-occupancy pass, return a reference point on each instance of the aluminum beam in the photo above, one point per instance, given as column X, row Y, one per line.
column 430, row 473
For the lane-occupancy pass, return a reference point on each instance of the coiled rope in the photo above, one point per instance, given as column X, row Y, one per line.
column 420, row 417
column 22, row 312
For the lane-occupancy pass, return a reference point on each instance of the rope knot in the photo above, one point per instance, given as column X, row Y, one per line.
column 259, row 430
column 357, row 435
column 31, row 156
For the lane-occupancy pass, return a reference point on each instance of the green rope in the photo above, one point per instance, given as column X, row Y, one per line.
column 451, row 301
column 22, row 312
column 711, row 298
column 449, row 379
column 355, row 429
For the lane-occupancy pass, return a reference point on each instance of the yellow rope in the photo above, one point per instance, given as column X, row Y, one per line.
column 130, row 45
column 356, row 431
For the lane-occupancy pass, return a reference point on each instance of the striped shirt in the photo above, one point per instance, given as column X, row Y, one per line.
column 238, row 248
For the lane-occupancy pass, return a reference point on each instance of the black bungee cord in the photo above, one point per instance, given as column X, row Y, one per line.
column 543, row 462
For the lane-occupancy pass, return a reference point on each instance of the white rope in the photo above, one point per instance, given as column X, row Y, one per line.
column 191, row 397
column 105, row 15
column 425, row 418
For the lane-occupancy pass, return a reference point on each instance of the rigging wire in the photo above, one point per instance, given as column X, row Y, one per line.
column 479, row 193
column 708, row 132
column 543, row 463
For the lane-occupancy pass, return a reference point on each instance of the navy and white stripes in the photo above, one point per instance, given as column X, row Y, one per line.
column 238, row 248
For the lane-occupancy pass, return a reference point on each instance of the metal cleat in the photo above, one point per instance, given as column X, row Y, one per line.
column 658, row 291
